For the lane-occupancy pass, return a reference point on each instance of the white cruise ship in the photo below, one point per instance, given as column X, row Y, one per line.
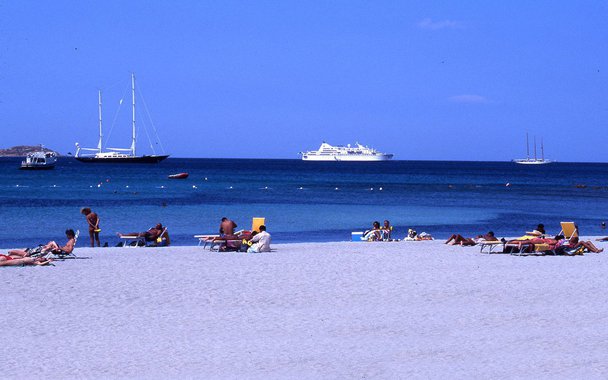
column 358, row 152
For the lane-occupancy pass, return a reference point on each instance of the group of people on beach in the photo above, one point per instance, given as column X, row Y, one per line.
column 259, row 241
column 378, row 233
column 39, row 255
column 249, row 241
column 558, row 244
column 384, row 233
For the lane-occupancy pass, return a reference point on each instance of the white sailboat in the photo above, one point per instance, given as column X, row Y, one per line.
column 533, row 161
column 117, row 155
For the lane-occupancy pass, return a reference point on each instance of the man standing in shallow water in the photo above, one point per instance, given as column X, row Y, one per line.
column 93, row 222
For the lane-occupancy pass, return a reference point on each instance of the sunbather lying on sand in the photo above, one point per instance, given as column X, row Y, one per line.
column 51, row 246
column 559, row 243
column 13, row 260
column 412, row 235
column 458, row 239
column 528, row 244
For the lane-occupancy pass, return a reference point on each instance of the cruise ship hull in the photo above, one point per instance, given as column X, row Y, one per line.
column 152, row 159
column 347, row 157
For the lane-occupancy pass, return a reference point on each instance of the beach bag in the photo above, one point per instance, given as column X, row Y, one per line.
column 574, row 251
column 36, row 251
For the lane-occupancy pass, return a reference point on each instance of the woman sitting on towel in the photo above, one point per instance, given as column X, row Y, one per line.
column 51, row 246
column 375, row 234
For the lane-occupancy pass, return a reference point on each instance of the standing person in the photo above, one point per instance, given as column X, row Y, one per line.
column 93, row 222
column 261, row 241
column 227, row 227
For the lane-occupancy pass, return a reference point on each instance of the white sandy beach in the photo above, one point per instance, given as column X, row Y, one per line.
column 323, row 310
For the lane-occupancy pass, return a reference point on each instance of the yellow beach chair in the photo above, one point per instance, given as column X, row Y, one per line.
column 569, row 230
column 257, row 222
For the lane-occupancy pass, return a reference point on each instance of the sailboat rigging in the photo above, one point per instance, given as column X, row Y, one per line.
column 535, row 160
column 117, row 155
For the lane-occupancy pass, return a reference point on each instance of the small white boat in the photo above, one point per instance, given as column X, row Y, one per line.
column 358, row 152
column 41, row 160
column 533, row 161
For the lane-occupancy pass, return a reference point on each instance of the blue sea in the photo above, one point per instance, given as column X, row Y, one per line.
column 301, row 201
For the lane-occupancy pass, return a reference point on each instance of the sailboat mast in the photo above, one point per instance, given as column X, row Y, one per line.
column 535, row 159
column 133, row 102
column 542, row 149
column 100, row 133
column 527, row 147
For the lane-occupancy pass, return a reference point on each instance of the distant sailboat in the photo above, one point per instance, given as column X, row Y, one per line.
column 535, row 160
column 117, row 155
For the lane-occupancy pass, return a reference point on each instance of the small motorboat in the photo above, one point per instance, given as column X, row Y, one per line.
column 41, row 160
column 179, row 176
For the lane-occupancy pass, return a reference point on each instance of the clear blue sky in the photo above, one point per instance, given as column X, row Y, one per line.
column 439, row 80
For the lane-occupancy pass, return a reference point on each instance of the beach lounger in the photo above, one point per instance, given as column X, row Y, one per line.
column 61, row 255
column 490, row 246
column 569, row 230
column 137, row 240
column 544, row 248
column 255, row 226
column 256, row 223
column 527, row 248
column 205, row 239
column 217, row 243
column 132, row 240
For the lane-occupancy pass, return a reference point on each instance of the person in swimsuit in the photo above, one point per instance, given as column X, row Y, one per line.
column 575, row 243
column 93, row 223
column 375, row 234
column 458, row 239
column 151, row 234
column 227, row 227
column 51, row 246
column 14, row 261
column 387, row 229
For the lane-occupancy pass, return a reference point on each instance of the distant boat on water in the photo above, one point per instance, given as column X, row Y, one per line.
column 117, row 155
column 533, row 161
column 327, row 152
column 178, row 176
column 40, row 160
